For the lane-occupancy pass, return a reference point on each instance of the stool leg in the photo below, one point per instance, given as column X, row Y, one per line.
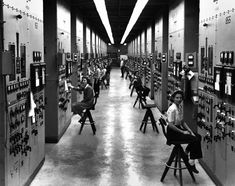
column 145, row 125
column 156, row 127
column 93, row 128
column 185, row 159
column 82, row 124
column 153, row 121
column 91, row 122
column 145, row 116
column 136, row 101
column 176, row 161
column 132, row 90
column 141, row 103
column 180, row 170
column 90, row 117
column 82, row 121
column 142, row 124
column 172, row 156
column 148, row 113
column 145, row 120
column 83, row 118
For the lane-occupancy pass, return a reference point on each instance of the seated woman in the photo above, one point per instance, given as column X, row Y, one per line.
column 88, row 97
column 178, row 130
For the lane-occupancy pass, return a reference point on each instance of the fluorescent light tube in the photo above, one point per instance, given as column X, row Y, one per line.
column 139, row 6
column 101, row 9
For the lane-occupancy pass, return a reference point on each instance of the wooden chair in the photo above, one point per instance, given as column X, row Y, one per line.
column 140, row 98
column 87, row 115
column 177, row 155
column 149, row 115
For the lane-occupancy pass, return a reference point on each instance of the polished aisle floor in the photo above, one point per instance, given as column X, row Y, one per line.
column 118, row 155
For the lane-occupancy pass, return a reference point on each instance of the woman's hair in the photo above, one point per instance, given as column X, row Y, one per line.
column 87, row 79
column 175, row 93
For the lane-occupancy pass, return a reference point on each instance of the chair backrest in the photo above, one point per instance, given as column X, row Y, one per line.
column 163, row 124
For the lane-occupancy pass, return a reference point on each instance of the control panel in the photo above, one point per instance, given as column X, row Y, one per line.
column 174, row 73
column 216, row 89
column 22, row 89
column 160, row 80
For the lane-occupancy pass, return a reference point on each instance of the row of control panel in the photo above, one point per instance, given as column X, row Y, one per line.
column 216, row 109
column 24, row 79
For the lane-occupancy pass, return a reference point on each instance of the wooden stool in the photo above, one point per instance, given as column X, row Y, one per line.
column 149, row 115
column 87, row 115
column 132, row 87
column 177, row 155
column 139, row 98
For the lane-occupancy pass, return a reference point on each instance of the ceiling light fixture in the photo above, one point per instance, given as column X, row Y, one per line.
column 101, row 9
column 139, row 6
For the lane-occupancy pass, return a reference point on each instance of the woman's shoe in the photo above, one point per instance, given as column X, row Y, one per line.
column 193, row 168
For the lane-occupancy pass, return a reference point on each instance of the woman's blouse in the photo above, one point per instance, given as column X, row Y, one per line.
column 175, row 114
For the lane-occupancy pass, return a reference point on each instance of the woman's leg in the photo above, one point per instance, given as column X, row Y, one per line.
column 194, row 142
column 195, row 147
column 77, row 108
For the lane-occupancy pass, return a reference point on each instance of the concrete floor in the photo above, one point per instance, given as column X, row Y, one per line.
column 118, row 155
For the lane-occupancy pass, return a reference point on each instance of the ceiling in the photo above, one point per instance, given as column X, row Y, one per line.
column 119, row 13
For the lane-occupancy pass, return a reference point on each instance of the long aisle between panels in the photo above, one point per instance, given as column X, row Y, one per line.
column 119, row 154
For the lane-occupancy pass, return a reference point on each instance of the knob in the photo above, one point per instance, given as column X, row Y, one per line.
column 207, row 137
column 217, row 137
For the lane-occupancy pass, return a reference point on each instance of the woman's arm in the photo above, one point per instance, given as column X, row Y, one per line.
column 173, row 127
column 78, row 88
column 75, row 88
column 187, row 128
